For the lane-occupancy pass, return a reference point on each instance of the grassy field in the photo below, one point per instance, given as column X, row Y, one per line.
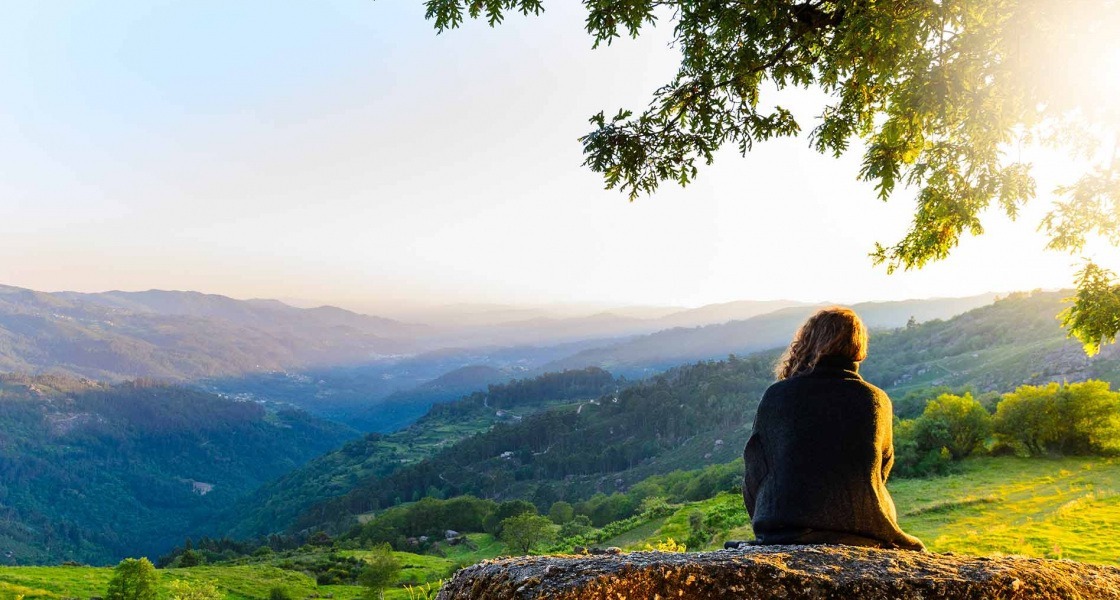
column 1052, row 508
column 237, row 583
column 1047, row 508
column 249, row 582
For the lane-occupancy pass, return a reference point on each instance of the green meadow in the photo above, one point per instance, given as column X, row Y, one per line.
column 236, row 582
column 1038, row 507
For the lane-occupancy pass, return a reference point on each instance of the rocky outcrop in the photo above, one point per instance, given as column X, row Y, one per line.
column 787, row 572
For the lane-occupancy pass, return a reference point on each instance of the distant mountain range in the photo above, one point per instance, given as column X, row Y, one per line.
column 649, row 354
column 182, row 335
column 344, row 365
column 622, row 322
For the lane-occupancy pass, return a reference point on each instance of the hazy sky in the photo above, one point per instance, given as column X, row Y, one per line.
column 341, row 151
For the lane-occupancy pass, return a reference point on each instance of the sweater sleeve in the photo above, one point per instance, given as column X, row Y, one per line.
column 754, row 462
column 888, row 452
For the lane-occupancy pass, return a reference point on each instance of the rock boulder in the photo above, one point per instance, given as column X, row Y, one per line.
column 787, row 572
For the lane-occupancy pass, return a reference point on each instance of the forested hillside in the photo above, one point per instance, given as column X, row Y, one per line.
column 686, row 418
column 363, row 462
column 399, row 409
column 1015, row 341
column 92, row 472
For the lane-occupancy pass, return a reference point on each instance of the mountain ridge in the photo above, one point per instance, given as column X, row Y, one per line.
column 646, row 354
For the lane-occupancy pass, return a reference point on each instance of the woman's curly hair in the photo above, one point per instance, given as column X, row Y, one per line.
column 835, row 330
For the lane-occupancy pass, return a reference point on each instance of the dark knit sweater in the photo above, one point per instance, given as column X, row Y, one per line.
column 818, row 461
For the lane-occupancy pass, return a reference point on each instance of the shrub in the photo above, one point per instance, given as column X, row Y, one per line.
column 957, row 423
column 382, row 570
column 1077, row 418
column 913, row 459
column 279, row 593
column 493, row 522
column 133, row 579
column 579, row 525
column 184, row 590
column 561, row 512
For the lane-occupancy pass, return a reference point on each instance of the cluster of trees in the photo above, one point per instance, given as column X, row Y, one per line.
column 1054, row 419
column 421, row 526
column 572, row 384
column 523, row 525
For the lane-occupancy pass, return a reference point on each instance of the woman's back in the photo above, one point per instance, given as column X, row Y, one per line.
column 821, row 450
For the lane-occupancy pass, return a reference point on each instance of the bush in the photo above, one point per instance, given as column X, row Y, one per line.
column 1077, row 418
column 561, row 512
column 957, row 423
column 913, row 459
column 184, row 590
column 381, row 571
column 133, row 579
column 579, row 525
column 493, row 522
column 279, row 593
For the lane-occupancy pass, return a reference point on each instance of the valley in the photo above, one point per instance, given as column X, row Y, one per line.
column 638, row 458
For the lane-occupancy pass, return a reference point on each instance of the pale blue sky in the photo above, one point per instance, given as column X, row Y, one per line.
column 341, row 151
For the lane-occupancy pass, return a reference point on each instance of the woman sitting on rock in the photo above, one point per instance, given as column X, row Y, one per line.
column 818, row 460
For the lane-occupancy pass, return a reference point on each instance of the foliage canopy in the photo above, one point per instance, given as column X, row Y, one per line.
column 957, row 423
column 523, row 532
column 133, row 579
column 1075, row 418
column 940, row 95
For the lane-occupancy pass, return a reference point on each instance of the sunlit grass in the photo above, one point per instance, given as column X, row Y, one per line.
column 236, row 583
column 1049, row 508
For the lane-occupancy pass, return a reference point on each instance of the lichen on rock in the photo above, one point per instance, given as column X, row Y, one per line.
column 786, row 572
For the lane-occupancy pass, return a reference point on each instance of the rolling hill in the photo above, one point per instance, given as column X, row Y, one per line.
column 93, row 472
